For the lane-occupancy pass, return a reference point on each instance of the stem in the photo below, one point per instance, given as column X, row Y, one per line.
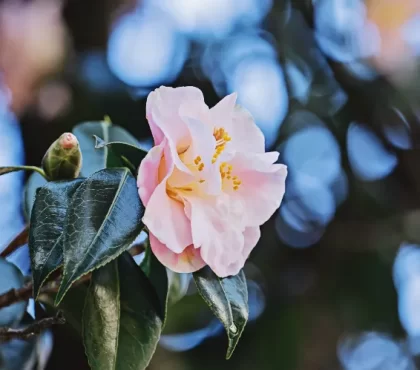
column 23, row 294
column 7, row 334
column 17, row 295
column 36, row 169
column 19, row 240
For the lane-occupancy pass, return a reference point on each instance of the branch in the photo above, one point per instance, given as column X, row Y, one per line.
column 7, row 334
column 23, row 294
column 19, row 240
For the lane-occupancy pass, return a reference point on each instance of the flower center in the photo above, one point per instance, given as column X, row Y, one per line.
column 222, row 137
column 226, row 173
column 225, row 169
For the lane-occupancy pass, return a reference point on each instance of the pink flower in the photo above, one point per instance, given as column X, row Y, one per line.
column 207, row 184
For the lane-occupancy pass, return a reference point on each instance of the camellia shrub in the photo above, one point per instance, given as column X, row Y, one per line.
column 201, row 194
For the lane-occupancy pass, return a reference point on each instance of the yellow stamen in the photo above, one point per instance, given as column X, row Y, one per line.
column 235, row 187
column 201, row 181
column 201, row 166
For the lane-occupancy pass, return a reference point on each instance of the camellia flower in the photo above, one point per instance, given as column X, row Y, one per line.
column 207, row 184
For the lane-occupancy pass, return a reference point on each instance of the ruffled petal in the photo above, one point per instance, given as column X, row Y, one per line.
column 217, row 233
column 203, row 145
column 148, row 176
column 162, row 110
column 165, row 217
column 188, row 261
column 246, row 135
column 222, row 113
column 167, row 100
column 240, row 125
column 262, row 188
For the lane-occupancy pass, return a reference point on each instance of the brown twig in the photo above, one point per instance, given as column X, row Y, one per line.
column 7, row 334
column 22, row 294
column 17, row 295
column 19, row 240
column 137, row 249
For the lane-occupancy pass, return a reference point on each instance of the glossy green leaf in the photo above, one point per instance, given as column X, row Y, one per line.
column 5, row 170
column 34, row 182
column 128, row 155
column 121, row 319
column 94, row 159
column 228, row 300
column 11, row 278
column 103, row 219
column 47, row 224
column 158, row 276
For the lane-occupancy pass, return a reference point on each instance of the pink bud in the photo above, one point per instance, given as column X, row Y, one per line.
column 68, row 140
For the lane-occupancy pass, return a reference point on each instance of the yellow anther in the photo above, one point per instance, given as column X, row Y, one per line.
column 237, row 182
column 229, row 176
column 201, row 166
column 201, row 181
column 235, row 187
column 223, row 175
column 197, row 160
column 230, row 167
column 214, row 160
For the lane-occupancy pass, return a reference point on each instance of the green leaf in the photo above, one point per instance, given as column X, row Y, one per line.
column 34, row 182
column 228, row 299
column 158, row 276
column 47, row 224
column 11, row 278
column 127, row 154
column 93, row 159
column 4, row 170
column 121, row 319
column 72, row 305
column 103, row 219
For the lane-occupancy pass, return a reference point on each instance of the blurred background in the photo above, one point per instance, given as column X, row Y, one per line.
column 334, row 85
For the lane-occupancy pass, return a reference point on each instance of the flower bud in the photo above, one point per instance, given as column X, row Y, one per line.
column 63, row 159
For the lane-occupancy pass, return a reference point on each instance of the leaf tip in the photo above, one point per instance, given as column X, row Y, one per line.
column 99, row 143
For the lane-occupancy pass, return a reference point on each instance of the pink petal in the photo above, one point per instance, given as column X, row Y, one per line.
column 218, row 235
column 188, row 261
column 203, row 144
column 222, row 112
column 246, row 135
column 168, row 99
column 165, row 217
column 162, row 110
column 147, row 179
column 251, row 236
column 240, row 125
column 262, row 188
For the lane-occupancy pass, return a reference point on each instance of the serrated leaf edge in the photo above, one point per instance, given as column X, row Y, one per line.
column 61, row 295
